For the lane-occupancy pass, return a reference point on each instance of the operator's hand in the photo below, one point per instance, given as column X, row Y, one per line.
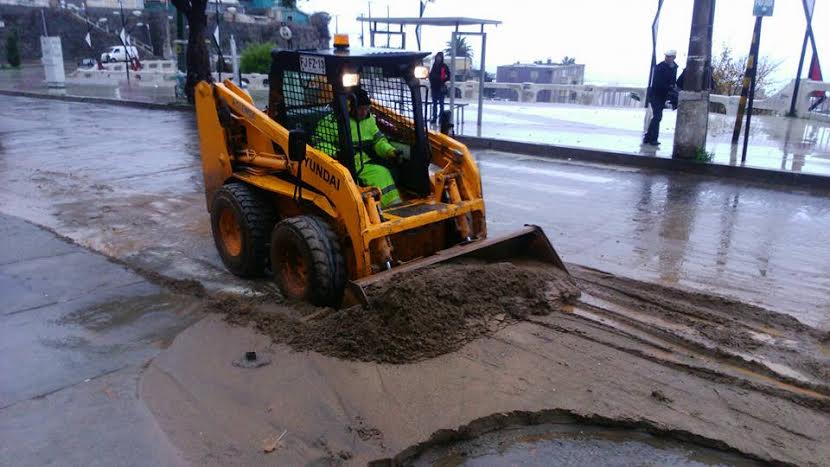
column 397, row 154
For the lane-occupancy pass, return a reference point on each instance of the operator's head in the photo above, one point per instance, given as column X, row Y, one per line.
column 359, row 104
column 671, row 54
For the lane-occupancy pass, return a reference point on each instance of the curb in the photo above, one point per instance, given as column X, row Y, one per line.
column 98, row 100
column 752, row 174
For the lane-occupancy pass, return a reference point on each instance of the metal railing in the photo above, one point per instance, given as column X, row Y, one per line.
column 595, row 95
column 820, row 105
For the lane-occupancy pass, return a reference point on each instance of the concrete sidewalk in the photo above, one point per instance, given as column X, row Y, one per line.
column 775, row 143
column 798, row 180
column 75, row 333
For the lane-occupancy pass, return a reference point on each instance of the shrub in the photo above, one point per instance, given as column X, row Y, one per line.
column 256, row 58
column 702, row 156
column 12, row 49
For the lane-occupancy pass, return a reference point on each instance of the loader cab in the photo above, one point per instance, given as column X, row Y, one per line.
column 307, row 86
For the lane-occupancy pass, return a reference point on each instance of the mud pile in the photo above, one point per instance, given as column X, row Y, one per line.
column 421, row 315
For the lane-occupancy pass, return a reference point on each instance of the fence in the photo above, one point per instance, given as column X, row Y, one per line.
column 608, row 96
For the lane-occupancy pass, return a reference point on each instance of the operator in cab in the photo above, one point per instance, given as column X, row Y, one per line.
column 372, row 149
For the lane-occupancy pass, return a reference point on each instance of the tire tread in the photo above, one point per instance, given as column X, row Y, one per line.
column 258, row 218
column 328, row 265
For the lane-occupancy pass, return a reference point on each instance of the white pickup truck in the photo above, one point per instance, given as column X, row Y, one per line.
column 118, row 53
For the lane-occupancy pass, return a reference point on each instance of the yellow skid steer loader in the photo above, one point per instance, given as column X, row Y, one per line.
column 281, row 199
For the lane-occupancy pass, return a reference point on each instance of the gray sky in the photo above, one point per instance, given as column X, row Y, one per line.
column 611, row 37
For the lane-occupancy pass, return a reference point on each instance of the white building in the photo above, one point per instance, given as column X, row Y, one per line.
column 115, row 4
column 30, row 3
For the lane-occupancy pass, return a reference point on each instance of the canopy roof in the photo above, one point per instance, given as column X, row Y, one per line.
column 440, row 21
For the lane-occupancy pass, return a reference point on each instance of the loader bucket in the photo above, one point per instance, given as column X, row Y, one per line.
column 527, row 244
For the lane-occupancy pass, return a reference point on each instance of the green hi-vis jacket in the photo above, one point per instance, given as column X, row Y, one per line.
column 366, row 136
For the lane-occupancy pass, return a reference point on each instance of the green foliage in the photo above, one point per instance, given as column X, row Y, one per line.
column 565, row 61
column 462, row 48
column 12, row 49
column 256, row 58
column 702, row 156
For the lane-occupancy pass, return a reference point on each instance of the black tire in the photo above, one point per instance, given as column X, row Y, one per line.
column 241, row 220
column 307, row 261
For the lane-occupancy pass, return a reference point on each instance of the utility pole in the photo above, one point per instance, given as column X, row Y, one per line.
column 693, row 105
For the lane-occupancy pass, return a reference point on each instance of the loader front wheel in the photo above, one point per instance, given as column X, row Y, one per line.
column 241, row 220
column 307, row 262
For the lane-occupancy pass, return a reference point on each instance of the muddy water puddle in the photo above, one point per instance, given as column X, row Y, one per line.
column 554, row 444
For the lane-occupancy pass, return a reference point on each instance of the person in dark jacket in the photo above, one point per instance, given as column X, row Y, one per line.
column 663, row 84
column 438, row 77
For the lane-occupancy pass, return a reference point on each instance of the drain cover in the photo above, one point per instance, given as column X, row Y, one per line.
column 252, row 360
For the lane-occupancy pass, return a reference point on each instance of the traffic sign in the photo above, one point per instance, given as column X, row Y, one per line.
column 763, row 7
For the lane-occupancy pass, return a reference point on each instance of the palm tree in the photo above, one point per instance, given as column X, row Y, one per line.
column 462, row 48
column 568, row 60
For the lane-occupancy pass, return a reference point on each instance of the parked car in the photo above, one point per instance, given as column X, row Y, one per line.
column 118, row 53
column 87, row 63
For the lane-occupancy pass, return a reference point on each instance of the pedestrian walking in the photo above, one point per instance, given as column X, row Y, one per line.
column 663, row 85
column 438, row 77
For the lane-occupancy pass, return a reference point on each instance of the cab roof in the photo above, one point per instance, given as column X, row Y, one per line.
column 355, row 55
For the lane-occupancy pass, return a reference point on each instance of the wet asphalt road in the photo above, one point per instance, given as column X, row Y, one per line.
column 77, row 331
column 127, row 182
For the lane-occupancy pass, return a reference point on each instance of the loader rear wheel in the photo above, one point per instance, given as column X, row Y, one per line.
column 241, row 220
column 307, row 261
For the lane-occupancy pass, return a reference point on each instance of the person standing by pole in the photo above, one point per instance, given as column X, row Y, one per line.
column 664, row 81
column 438, row 77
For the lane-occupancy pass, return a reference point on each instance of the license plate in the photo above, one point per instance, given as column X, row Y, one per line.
column 312, row 64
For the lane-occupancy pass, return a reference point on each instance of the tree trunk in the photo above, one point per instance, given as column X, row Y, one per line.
column 197, row 56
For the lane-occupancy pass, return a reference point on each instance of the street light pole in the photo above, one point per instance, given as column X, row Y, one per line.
column 693, row 109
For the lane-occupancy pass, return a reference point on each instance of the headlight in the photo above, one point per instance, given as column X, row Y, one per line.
column 421, row 72
column 350, row 79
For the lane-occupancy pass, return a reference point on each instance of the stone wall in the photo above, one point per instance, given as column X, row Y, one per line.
column 303, row 36
column 28, row 23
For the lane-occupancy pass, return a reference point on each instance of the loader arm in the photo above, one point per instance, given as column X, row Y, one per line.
column 334, row 191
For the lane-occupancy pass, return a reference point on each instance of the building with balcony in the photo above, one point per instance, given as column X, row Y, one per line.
column 549, row 73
